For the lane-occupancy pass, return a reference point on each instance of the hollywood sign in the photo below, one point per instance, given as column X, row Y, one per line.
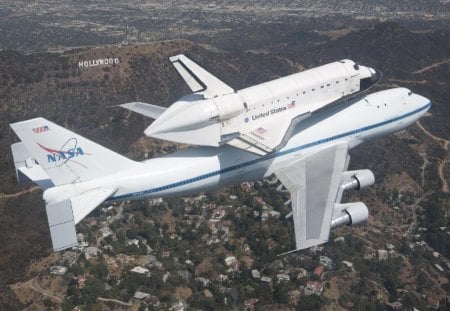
column 98, row 62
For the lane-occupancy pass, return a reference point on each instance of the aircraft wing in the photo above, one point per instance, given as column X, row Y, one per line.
column 148, row 110
column 198, row 79
column 314, row 183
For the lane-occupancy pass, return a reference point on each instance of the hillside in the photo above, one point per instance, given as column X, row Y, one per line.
column 83, row 99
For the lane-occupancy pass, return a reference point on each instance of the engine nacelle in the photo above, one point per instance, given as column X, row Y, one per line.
column 349, row 214
column 357, row 179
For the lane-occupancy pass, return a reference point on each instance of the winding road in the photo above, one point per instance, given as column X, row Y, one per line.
column 445, row 144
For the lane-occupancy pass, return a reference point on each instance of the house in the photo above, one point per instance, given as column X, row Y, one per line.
column 178, row 306
column 156, row 201
column 349, row 265
column 81, row 281
column 397, row 305
column 207, row 293
column 369, row 253
column 203, row 281
column 140, row 295
column 283, row 278
column 274, row 214
column 80, row 237
column 382, row 254
column 432, row 302
column 313, row 288
column 339, row 239
column 294, row 296
column 246, row 186
column 326, row 261
column 230, row 260
column 256, row 274
column 153, row 300
column 141, row 270
column 105, row 231
column 266, row 279
column 91, row 252
column 249, row 304
column 318, row 271
column 390, row 247
column 316, row 249
column 58, row 270
column 133, row 242
column 165, row 276
column 302, row 273
column 264, row 216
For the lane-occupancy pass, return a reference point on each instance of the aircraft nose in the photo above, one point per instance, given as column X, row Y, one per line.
column 420, row 102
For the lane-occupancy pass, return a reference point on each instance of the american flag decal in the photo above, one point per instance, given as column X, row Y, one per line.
column 41, row 129
column 291, row 105
column 260, row 130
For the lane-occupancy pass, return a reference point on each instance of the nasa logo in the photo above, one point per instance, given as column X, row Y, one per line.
column 56, row 156
column 68, row 151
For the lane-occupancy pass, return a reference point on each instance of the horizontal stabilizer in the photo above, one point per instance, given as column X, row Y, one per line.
column 27, row 168
column 148, row 110
column 62, row 225
column 64, row 215
column 85, row 203
column 198, row 79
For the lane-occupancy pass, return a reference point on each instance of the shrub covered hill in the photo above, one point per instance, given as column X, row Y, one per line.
column 83, row 99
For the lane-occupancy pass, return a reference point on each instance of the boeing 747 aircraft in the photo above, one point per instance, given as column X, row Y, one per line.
column 280, row 127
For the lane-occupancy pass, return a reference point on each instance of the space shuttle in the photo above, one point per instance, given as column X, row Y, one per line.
column 259, row 119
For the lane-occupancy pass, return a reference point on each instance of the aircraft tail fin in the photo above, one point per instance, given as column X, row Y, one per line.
column 64, row 156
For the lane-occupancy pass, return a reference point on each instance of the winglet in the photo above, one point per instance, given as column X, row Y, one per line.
column 198, row 79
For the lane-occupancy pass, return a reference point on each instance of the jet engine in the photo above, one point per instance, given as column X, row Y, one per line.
column 357, row 179
column 349, row 214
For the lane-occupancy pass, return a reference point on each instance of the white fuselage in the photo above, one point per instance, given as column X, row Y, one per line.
column 208, row 168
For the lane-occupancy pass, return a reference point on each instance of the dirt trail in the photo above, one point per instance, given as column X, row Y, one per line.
column 125, row 304
column 445, row 144
column 17, row 194
column 35, row 286
column 431, row 66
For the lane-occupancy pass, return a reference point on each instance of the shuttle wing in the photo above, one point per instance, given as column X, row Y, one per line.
column 314, row 183
column 148, row 110
column 198, row 79
column 268, row 136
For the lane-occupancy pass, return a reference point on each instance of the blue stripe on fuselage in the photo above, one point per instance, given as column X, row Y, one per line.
column 267, row 157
